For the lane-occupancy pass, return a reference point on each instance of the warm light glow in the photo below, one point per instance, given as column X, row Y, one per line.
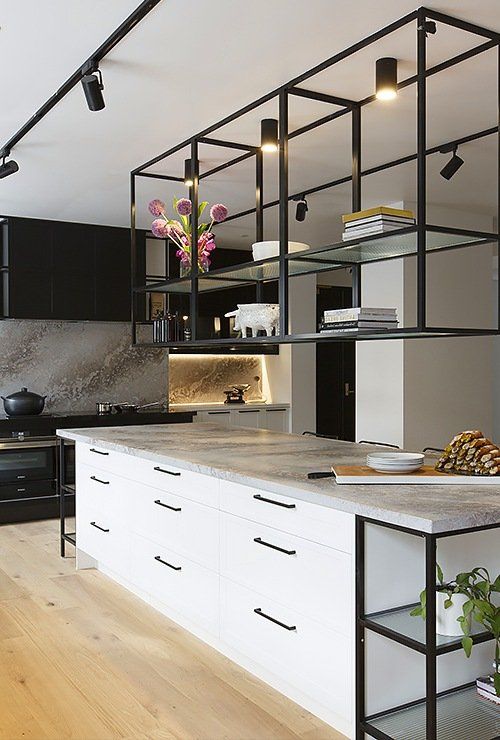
column 188, row 183
column 269, row 148
column 386, row 93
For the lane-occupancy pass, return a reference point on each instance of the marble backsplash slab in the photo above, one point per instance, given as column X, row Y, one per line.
column 203, row 378
column 76, row 364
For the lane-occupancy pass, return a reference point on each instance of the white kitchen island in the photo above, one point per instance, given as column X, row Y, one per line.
column 220, row 529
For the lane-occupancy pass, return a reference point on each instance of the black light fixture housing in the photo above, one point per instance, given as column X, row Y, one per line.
column 7, row 168
column 301, row 209
column 386, row 78
column 188, row 174
column 269, row 135
column 93, row 86
column 451, row 167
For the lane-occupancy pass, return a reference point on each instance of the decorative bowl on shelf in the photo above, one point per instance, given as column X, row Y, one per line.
column 395, row 462
column 265, row 250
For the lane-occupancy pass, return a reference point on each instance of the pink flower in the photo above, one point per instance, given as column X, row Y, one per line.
column 210, row 245
column 184, row 207
column 218, row 212
column 156, row 207
column 159, row 227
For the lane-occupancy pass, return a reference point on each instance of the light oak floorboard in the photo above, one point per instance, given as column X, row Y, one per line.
column 81, row 658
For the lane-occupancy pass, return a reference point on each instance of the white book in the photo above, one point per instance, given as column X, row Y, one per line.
column 379, row 220
column 331, row 325
column 353, row 330
column 357, row 234
column 491, row 697
column 344, row 314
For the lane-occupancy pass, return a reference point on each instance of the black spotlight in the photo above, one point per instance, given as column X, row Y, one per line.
column 188, row 175
column 302, row 208
column 452, row 166
column 92, row 87
column 8, row 168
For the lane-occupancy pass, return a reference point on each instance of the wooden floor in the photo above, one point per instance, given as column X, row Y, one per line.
column 82, row 658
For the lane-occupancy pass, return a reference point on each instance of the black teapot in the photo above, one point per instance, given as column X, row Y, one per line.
column 23, row 403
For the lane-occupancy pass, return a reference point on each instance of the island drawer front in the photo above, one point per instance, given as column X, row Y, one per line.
column 184, row 526
column 103, row 538
column 164, row 477
column 312, row 658
column 102, row 491
column 311, row 579
column 320, row 524
column 177, row 582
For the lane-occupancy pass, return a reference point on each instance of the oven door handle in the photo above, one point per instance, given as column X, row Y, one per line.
column 27, row 444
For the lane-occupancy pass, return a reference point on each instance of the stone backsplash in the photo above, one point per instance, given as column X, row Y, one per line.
column 204, row 378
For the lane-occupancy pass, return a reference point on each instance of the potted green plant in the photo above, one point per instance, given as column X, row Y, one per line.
column 478, row 591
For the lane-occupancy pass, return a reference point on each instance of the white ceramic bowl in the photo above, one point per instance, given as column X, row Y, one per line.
column 265, row 250
column 395, row 462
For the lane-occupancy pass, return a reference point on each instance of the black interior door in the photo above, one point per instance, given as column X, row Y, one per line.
column 335, row 373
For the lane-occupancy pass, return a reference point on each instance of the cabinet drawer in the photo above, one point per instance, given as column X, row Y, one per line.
column 103, row 538
column 96, row 457
column 317, row 523
column 177, row 582
column 301, row 652
column 184, row 526
column 103, row 491
column 310, row 578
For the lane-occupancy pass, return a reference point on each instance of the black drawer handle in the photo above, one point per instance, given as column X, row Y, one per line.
column 275, row 621
column 164, row 562
column 93, row 524
column 168, row 472
column 215, row 413
column 98, row 452
column 276, row 503
column 260, row 541
column 98, row 480
column 172, row 508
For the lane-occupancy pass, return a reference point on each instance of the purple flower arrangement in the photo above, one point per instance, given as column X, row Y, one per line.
column 180, row 231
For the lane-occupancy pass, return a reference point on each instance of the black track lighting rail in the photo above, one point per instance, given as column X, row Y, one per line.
column 88, row 66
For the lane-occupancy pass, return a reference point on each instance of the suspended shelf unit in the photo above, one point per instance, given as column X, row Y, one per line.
column 417, row 241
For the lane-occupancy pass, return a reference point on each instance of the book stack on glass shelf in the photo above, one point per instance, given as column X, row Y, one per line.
column 378, row 220
column 358, row 320
column 486, row 689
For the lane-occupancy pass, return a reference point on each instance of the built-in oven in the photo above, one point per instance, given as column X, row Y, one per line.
column 25, row 460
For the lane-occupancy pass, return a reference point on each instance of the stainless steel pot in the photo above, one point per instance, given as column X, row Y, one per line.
column 131, row 408
column 103, row 407
column 23, row 403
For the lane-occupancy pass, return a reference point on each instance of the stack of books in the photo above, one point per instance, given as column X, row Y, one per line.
column 486, row 689
column 358, row 320
column 378, row 220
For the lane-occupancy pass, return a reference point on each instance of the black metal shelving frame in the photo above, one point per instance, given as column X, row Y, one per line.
column 64, row 488
column 422, row 713
column 334, row 256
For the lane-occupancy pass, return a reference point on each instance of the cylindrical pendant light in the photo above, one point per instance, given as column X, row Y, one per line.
column 188, row 174
column 386, row 78
column 269, row 135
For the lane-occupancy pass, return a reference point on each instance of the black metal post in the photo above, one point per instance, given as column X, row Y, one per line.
column 356, row 193
column 498, row 188
column 360, row 630
column 430, row 637
column 61, row 477
column 133, row 262
column 421, row 171
column 194, row 240
column 259, row 211
column 283, row 211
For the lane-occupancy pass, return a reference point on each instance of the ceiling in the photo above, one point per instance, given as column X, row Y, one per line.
column 189, row 64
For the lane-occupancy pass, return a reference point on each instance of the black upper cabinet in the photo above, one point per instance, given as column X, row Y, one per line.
column 68, row 271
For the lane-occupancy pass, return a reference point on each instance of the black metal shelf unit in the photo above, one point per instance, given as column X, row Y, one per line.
column 64, row 488
column 456, row 714
column 418, row 241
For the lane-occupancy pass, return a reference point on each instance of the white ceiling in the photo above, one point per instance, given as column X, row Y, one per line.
column 189, row 64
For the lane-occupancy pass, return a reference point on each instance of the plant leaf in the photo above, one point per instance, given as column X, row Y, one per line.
column 202, row 207
column 467, row 645
column 448, row 603
column 439, row 572
column 496, row 683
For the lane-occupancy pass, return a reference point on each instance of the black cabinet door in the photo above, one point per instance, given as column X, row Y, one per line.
column 112, row 273
column 29, row 295
column 29, row 257
column 73, row 271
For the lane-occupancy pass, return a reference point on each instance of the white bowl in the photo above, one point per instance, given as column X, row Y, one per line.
column 264, row 250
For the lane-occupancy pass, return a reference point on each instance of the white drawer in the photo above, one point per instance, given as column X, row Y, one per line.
column 177, row 582
column 247, row 417
column 317, row 523
column 184, row 526
column 301, row 652
column 195, row 486
column 310, row 578
column 103, row 491
column 99, row 535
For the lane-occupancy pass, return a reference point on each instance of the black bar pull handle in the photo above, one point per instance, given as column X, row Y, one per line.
column 166, row 506
column 276, row 503
column 164, row 562
column 168, row 472
column 93, row 524
column 98, row 480
column 260, row 541
column 288, row 627
column 98, row 452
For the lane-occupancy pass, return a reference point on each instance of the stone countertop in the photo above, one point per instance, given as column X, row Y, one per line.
column 279, row 463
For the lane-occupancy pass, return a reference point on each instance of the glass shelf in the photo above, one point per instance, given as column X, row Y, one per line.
column 461, row 715
column 395, row 244
column 398, row 623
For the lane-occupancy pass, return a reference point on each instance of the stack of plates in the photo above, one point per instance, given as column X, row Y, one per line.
column 395, row 462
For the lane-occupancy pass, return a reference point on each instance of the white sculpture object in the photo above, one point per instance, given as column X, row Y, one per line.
column 256, row 316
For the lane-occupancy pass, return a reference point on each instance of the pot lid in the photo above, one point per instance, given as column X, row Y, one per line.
column 24, row 393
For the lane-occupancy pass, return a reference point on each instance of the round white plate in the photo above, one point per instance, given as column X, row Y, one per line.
column 395, row 462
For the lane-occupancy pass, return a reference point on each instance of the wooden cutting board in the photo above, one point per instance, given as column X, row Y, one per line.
column 360, row 474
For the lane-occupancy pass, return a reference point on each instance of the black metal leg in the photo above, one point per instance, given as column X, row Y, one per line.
column 61, row 477
column 360, row 631
column 421, row 171
column 430, row 637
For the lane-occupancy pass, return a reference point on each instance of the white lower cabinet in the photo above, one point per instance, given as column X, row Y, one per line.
column 275, row 419
column 266, row 579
